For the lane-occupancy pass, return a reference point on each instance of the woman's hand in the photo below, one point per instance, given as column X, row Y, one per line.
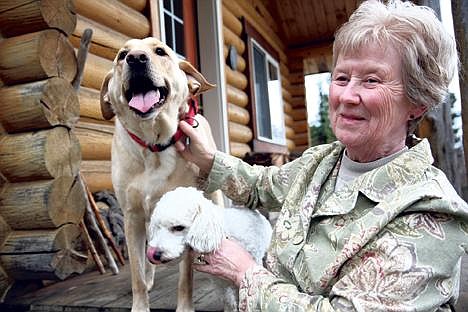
column 230, row 262
column 201, row 148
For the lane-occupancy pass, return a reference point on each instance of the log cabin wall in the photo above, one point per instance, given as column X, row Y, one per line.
column 42, row 200
column 255, row 13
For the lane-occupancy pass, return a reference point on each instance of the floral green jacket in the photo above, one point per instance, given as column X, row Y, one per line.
column 390, row 241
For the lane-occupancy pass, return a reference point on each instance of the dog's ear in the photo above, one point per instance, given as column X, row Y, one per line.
column 207, row 230
column 197, row 83
column 106, row 106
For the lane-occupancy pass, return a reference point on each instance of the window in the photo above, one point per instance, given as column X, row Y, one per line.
column 172, row 25
column 266, row 100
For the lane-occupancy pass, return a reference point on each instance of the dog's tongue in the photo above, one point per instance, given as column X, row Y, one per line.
column 144, row 102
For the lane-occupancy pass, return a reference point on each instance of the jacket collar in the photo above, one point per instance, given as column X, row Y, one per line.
column 377, row 185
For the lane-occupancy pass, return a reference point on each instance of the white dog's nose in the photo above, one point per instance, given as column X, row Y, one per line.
column 154, row 255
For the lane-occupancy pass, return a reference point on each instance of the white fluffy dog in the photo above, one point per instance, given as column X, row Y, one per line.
column 184, row 218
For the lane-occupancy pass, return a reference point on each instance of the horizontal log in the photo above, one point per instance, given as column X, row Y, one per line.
column 290, row 144
column 5, row 229
column 300, row 148
column 115, row 15
column 39, row 155
column 297, row 90
column 96, row 69
column 45, row 254
column 231, row 38
column 238, row 114
column 38, row 105
column 105, row 41
column 138, row 5
column 239, row 149
column 286, row 95
column 287, row 107
column 21, row 17
column 298, row 102
column 235, row 78
column 97, row 174
column 289, row 132
column 299, row 114
column 95, row 142
column 89, row 103
column 301, row 138
column 236, row 96
column 36, row 56
column 240, row 60
column 300, row 126
column 288, row 120
column 43, row 204
column 232, row 22
column 239, row 133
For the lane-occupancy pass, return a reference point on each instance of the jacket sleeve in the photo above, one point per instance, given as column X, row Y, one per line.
column 252, row 186
column 399, row 270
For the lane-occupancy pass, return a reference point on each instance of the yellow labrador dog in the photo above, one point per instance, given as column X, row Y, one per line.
column 149, row 90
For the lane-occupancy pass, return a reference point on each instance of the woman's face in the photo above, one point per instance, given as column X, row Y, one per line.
column 369, row 111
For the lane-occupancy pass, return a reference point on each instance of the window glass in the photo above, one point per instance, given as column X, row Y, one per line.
column 179, row 35
column 172, row 25
column 268, row 99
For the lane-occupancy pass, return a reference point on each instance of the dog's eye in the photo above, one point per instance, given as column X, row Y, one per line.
column 177, row 228
column 122, row 55
column 160, row 51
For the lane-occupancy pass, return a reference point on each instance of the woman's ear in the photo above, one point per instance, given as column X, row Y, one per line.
column 197, row 83
column 417, row 112
column 106, row 106
column 207, row 230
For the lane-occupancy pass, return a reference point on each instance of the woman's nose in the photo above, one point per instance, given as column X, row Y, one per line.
column 350, row 93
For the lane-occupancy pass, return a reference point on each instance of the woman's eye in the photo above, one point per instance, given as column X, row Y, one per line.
column 160, row 51
column 372, row 80
column 122, row 55
column 177, row 228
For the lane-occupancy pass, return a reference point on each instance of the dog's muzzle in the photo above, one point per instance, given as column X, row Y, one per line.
column 143, row 95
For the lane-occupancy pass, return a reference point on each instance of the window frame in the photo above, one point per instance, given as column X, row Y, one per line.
column 253, row 37
column 189, row 28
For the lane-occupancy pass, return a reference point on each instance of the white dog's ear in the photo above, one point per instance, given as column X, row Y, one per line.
column 197, row 83
column 207, row 230
column 106, row 106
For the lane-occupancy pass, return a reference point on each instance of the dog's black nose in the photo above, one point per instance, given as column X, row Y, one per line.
column 154, row 255
column 137, row 58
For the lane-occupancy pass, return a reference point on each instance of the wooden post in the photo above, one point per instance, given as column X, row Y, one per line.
column 460, row 23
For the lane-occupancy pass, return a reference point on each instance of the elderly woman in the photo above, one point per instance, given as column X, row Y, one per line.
column 366, row 223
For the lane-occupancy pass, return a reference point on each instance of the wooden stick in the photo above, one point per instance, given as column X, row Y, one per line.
column 81, row 57
column 102, row 225
column 91, row 221
column 92, row 248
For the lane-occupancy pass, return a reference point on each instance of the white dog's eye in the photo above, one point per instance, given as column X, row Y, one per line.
column 122, row 55
column 160, row 51
column 177, row 228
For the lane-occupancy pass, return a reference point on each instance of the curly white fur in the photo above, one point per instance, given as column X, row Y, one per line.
column 185, row 218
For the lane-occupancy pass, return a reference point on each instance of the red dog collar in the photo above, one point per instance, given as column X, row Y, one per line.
column 189, row 118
